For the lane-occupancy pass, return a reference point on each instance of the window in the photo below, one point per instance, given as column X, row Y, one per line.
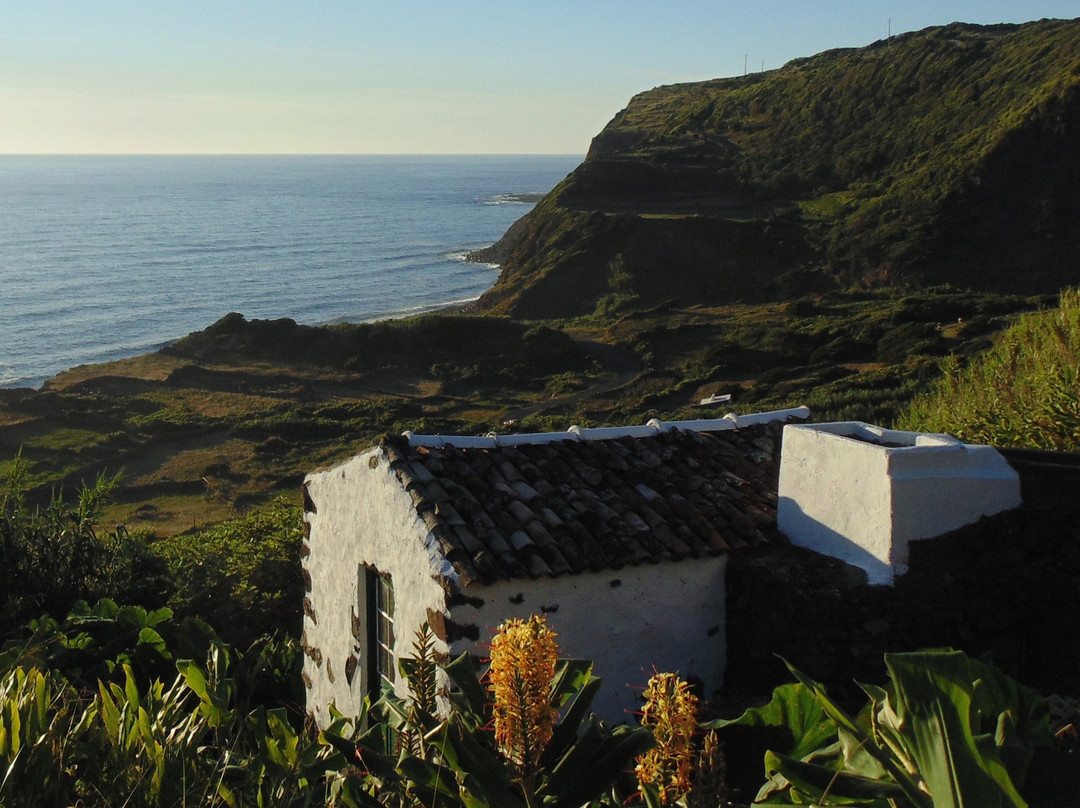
column 382, row 639
column 376, row 607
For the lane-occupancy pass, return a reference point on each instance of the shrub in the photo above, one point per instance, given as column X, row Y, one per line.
column 1020, row 393
column 54, row 556
column 241, row 576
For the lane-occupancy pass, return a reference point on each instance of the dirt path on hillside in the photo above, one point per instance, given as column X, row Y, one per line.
column 622, row 365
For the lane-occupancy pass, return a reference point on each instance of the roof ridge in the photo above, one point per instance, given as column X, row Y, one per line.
column 653, row 427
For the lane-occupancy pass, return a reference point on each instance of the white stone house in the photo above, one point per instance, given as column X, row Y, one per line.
column 620, row 536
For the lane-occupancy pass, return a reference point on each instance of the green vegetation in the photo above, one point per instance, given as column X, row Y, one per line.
column 54, row 556
column 942, row 156
column 192, row 736
column 786, row 238
column 124, row 705
column 847, row 356
column 243, row 575
column 235, row 415
column 106, row 723
column 1022, row 392
column 211, row 427
column 945, row 731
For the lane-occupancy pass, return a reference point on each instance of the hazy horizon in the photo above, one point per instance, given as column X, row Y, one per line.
column 350, row 77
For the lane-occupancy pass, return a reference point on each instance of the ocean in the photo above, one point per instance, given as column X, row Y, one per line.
column 105, row 257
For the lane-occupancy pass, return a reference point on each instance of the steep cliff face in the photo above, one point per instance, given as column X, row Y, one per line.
column 947, row 155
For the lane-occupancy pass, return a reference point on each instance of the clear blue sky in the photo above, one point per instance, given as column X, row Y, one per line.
column 398, row 76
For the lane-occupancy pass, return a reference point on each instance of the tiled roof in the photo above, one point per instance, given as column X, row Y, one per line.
column 560, row 504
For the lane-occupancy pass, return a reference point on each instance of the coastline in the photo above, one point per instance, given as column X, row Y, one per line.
column 458, row 306
column 319, row 241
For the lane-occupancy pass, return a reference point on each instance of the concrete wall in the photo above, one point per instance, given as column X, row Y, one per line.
column 361, row 515
column 860, row 493
column 668, row 617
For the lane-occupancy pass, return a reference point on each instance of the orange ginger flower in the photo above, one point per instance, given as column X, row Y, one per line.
column 523, row 659
column 671, row 713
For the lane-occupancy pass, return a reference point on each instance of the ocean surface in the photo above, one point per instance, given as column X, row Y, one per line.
column 107, row 257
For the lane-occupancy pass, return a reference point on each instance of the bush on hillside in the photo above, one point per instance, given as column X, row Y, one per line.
column 1021, row 393
column 241, row 576
column 52, row 557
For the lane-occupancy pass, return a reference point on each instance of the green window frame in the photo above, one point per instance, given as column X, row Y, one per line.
column 376, row 605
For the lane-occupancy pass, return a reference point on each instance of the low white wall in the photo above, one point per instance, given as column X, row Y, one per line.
column 362, row 515
column 667, row 617
column 863, row 500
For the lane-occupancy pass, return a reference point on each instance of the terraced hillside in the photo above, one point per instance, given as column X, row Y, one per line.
column 950, row 155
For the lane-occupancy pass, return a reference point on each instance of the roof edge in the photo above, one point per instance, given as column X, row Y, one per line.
column 653, row 427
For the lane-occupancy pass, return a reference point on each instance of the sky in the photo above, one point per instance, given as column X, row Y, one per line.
column 399, row 76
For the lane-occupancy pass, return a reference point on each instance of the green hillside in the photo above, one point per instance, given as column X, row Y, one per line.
column 1021, row 393
column 949, row 155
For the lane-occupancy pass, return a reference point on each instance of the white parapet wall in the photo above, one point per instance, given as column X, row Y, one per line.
column 861, row 493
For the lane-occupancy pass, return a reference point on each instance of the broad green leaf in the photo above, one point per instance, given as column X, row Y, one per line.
column 615, row 755
column 793, row 707
column 471, row 696
column 570, row 676
column 148, row 636
column 896, row 771
column 576, row 712
column 934, row 707
column 827, row 786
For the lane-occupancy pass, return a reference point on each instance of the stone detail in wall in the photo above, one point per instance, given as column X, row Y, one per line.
column 311, row 651
column 437, row 623
column 330, row 672
column 305, row 679
column 309, row 610
column 350, row 668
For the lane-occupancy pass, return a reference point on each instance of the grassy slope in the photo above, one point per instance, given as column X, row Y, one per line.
column 947, row 155
column 241, row 411
column 212, row 426
column 1022, row 392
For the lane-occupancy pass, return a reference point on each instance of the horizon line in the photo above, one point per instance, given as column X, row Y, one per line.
column 292, row 154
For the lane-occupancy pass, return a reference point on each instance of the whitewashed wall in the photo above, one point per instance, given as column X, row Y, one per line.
column 668, row 617
column 362, row 515
column 846, row 492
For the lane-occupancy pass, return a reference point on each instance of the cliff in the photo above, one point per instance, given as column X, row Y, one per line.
column 949, row 155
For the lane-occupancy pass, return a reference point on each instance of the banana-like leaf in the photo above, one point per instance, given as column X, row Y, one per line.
column 570, row 676
column 432, row 783
column 487, row 777
column 828, row 786
column 904, row 779
column 567, row 730
column 796, row 709
column 934, row 714
column 592, row 764
column 470, row 698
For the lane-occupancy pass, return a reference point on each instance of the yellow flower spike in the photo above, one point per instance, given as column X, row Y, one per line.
column 523, row 660
column 670, row 711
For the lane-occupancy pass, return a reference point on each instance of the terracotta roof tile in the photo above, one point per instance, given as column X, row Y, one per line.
column 569, row 506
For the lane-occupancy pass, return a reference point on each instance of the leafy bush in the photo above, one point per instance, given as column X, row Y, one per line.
column 241, row 576
column 191, row 738
column 52, row 557
column 454, row 760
